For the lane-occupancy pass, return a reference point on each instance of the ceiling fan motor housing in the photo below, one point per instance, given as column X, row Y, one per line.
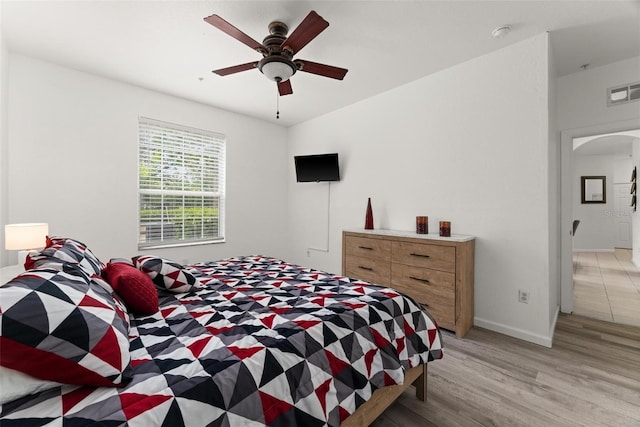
column 278, row 28
column 276, row 63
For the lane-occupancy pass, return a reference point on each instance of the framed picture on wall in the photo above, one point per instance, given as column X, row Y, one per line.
column 593, row 189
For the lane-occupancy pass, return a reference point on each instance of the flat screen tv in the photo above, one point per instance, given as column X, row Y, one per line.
column 317, row 167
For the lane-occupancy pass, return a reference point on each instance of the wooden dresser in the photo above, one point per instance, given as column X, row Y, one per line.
column 436, row 271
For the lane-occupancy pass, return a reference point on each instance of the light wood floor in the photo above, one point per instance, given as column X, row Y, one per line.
column 591, row 377
column 606, row 286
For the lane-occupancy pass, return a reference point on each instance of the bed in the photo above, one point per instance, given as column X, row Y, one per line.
column 247, row 341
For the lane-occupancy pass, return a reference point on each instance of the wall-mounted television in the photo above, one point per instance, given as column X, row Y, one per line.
column 317, row 167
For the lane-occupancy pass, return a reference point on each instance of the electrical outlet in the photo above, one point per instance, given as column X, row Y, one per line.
column 523, row 296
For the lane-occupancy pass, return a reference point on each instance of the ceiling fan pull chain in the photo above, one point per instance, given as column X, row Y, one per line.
column 277, row 104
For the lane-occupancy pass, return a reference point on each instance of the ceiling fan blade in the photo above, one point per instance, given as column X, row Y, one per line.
column 312, row 25
column 284, row 88
column 226, row 27
column 321, row 69
column 236, row 68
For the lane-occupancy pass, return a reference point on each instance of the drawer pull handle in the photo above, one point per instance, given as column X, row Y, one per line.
column 419, row 255
column 419, row 279
column 365, row 268
column 365, row 247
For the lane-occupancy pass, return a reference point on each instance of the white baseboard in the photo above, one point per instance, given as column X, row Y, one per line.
column 594, row 250
column 516, row 332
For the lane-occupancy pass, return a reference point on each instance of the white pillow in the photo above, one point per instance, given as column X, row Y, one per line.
column 15, row 384
column 8, row 273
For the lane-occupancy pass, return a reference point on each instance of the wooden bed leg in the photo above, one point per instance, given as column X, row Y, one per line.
column 421, row 384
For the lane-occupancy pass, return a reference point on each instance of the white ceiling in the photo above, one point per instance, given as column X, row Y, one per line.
column 166, row 46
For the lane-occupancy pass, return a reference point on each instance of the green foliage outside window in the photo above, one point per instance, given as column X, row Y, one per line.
column 181, row 184
column 179, row 223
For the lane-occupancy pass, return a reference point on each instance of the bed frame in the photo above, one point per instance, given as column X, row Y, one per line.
column 384, row 397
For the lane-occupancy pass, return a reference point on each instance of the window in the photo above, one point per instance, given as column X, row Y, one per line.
column 180, row 184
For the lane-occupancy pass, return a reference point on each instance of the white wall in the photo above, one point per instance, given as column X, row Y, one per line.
column 597, row 229
column 582, row 96
column 582, row 111
column 4, row 79
column 469, row 144
column 554, row 195
column 72, row 147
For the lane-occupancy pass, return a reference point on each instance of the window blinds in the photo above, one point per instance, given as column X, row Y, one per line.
column 181, row 185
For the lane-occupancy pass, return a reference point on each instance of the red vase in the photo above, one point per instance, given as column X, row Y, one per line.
column 368, row 220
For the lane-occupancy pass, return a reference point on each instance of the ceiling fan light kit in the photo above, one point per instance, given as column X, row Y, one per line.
column 277, row 69
column 277, row 51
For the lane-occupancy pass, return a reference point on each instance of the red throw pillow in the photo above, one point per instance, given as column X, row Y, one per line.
column 134, row 287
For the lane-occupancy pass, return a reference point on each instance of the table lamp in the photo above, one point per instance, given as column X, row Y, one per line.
column 25, row 237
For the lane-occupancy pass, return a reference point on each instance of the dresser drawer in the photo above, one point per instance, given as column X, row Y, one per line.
column 441, row 307
column 368, row 248
column 421, row 255
column 368, row 269
column 437, row 274
column 433, row 289
column 409, row 275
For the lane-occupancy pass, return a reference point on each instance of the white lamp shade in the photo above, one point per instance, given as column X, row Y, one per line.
column 19, row 237
column 277, row 71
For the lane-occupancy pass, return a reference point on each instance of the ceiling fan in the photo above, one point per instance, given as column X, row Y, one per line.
column 277, row 51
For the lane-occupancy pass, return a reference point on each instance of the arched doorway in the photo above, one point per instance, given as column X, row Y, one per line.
column 568, row 189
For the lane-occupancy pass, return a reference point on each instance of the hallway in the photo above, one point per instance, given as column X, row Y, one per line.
column 606, row 286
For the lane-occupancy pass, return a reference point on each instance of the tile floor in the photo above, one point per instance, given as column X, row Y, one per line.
column 606, row 286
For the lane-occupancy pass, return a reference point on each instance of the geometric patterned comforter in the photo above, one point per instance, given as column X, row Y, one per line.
column 258, row 342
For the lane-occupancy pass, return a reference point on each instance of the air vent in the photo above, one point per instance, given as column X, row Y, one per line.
column 623, row 94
